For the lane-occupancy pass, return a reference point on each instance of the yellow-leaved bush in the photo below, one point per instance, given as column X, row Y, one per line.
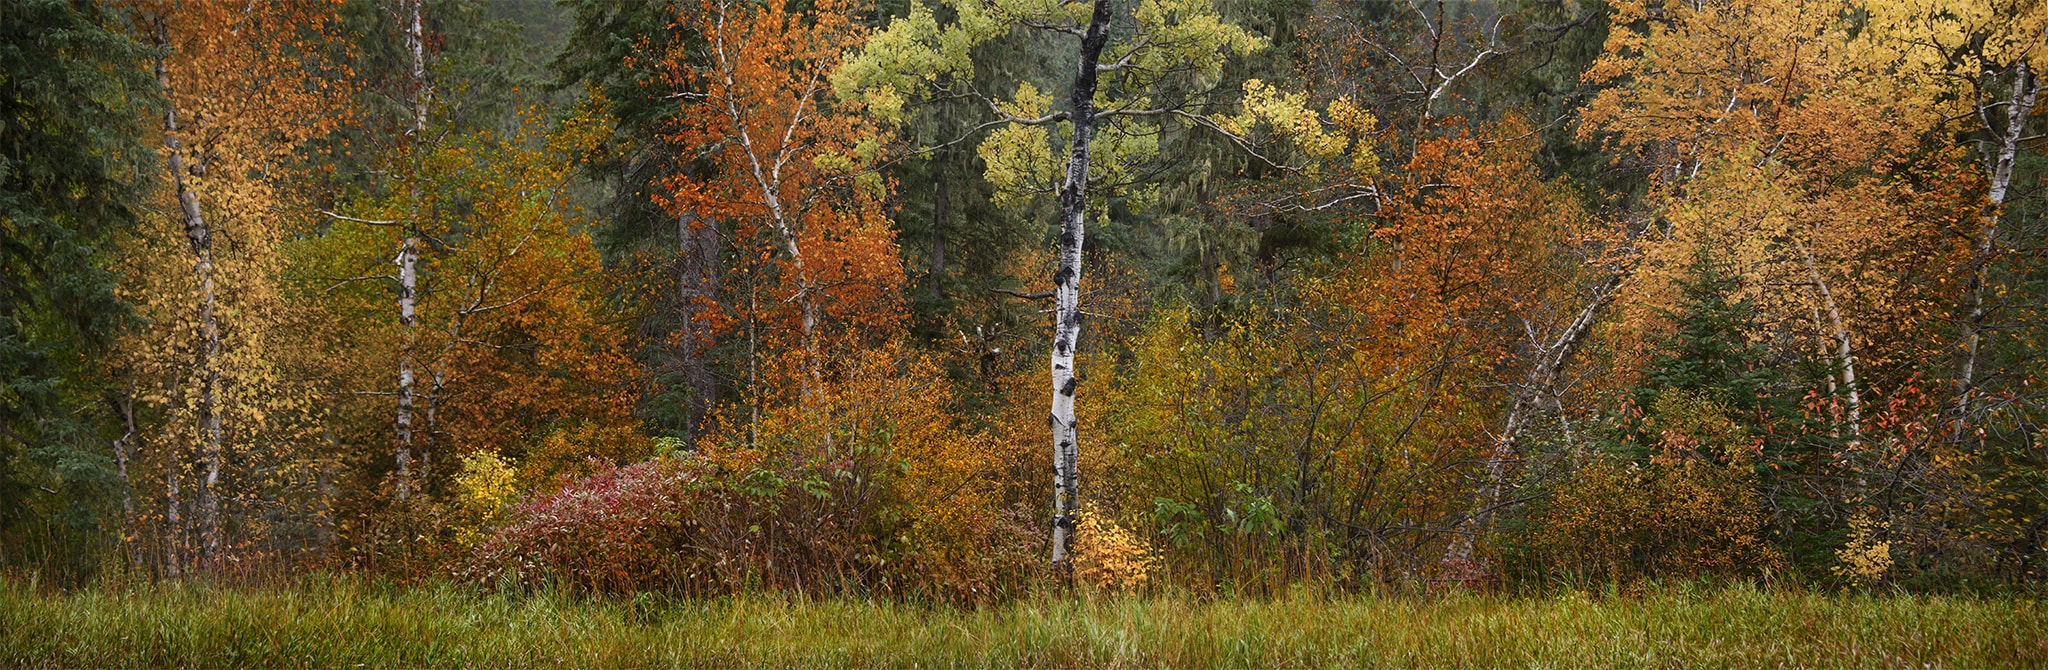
column 1109, row 557
column 1867, row 557
column 484, row 488
column 1691, row 510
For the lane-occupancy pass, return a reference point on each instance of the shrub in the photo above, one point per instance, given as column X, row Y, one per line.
column 691, row 525
column 484, row 489
column 1671, row 518
column 864, row 479
column 1110, row 558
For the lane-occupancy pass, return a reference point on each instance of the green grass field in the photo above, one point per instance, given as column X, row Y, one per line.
column 346, row 623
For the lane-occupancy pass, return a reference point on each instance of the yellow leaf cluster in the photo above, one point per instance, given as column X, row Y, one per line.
column 1110, row 558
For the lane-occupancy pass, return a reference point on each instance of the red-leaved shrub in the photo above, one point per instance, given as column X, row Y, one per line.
column 691, row 525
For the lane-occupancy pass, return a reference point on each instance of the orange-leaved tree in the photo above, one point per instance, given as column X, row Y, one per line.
column 1771, row 134
column 783, row 168
column 1482, row 275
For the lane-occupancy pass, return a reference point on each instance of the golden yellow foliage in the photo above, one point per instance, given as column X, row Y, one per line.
column 1110, row 558
column 484, row 488
column 1868, row 556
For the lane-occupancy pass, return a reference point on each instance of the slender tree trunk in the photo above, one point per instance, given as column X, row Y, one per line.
column 125, row 450
column 1066, row 434
column 768, row 178
column 754, row 353
column 1998, row 163
column 174, row 524
column 934, row 280
column 408, row 281
column 408, row 257
column 437, row 384
column 1207, row 256
column 323, row 527
column 416, row 42
column 200, row 239
column 1550, row 358
column 696, row 292
column 1845, row 353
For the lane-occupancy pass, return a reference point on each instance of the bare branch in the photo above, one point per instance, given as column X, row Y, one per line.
column 1041, row 295
column 344, row 281
column 1243, row 144
column 1125, row 61
column 371, row 222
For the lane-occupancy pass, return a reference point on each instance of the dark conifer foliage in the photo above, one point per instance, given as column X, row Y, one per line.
column 72, row 99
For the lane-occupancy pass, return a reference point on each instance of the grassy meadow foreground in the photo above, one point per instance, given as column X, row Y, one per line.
column 349, row 622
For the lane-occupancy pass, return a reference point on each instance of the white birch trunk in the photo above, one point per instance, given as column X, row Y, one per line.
column 1998, row 163
column 125, row 450
column 408, row 258
column 200, row 239
column 766, row 172
column 408, row 281
column 1550, row 358
column 1845, row 353
column 1066, row 434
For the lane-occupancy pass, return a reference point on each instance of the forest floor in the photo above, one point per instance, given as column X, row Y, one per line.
column 351, row 623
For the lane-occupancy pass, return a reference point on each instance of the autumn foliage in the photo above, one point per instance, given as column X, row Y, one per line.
column 714, row 296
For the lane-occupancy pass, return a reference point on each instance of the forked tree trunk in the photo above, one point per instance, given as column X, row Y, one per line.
column 767, row 177
column 1845, row 353
column 1998, row 163
column 1550, row 359
column 200, row 239
column 1066, row 434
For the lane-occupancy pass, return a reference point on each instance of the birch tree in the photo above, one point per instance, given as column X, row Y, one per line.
column 417, row 90
column 1135, row 66
column 787, row 161
column 1999, row 151
column 201, row 240
column 409, row 250
column 1987, row 55
column 242, row 93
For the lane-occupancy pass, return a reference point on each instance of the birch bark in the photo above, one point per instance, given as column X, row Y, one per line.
column 1073, row 201
column 1551, row 358
column 200, row 239
column 767, row 175
column 1845, row 353
column 408, row 258
column 1998, row 163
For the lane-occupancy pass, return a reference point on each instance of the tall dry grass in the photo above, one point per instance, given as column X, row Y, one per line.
column 347, row 622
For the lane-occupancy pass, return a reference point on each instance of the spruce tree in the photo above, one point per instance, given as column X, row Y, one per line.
column 69, row 153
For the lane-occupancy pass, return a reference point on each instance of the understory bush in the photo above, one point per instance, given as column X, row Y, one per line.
column 1668, row 519
column 690, row 525
column 863, row 481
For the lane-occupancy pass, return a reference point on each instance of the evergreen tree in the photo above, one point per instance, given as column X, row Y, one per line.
column 1711, row 353
column 69, row 153
column 1727, row 392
